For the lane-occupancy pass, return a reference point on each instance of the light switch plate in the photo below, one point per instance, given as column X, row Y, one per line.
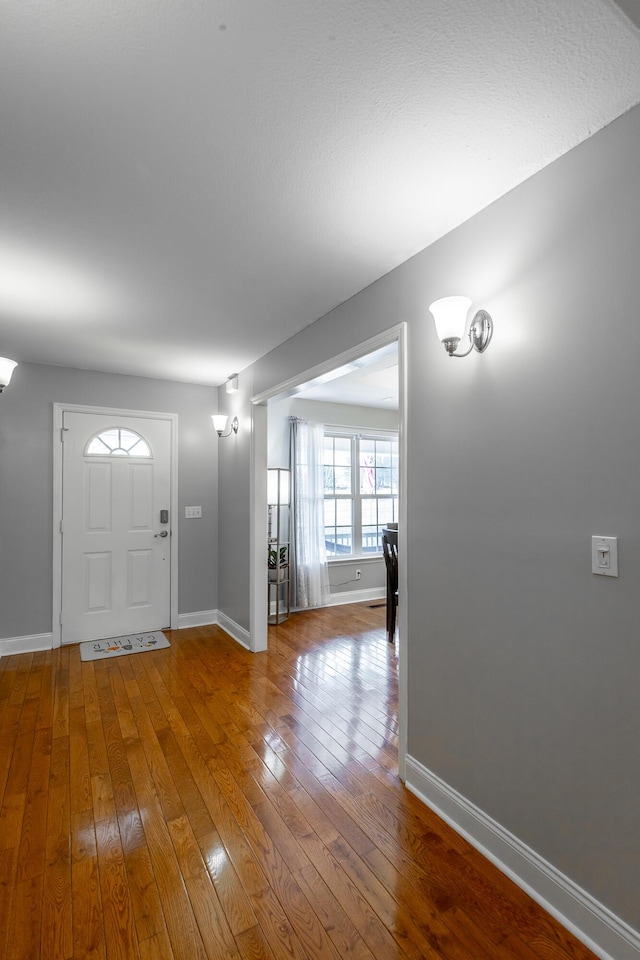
column 192, row 513
column 604, row 556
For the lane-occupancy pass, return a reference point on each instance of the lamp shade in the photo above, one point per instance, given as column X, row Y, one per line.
column 219, row 422
column 450, row 315
column 277, row 486
column 6, row 369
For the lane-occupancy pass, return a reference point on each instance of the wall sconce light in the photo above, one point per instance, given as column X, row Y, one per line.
column 232, row 383
column 220, row 423
column 450, row 315
column 6, row 369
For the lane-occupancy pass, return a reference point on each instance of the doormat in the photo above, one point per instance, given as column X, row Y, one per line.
column 119, row 646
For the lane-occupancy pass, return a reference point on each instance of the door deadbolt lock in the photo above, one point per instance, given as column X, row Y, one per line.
column 163, row 533
column 164, row 516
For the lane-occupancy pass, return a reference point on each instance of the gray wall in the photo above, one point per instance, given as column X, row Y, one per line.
column 26, row 476
column 523, row 667
column 336, row 414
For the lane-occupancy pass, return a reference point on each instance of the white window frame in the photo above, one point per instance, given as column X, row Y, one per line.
column 355, row 435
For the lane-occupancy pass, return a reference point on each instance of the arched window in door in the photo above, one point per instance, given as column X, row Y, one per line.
column 118, row 442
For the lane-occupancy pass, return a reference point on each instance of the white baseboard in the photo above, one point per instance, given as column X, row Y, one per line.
column 200, row 619
column 355, row 596
column 235, row 631
column 592, row 923
column 205, row 617
column 336, row 599
column 38, row 641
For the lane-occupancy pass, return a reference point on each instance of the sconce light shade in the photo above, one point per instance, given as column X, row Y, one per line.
column 277, row 486
column 6, row 369
column 220, row 423
column 450, row 315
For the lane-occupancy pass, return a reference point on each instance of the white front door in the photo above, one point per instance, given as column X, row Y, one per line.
column 116, row 495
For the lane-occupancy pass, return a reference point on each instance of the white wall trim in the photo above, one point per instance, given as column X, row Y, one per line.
column 201, row 618
column 258, row 640
column 258, row 520
column 204, row 618
column 593, row 924
column 337, row 599
column 355, row 596
column 38, row 641
column 235, row 631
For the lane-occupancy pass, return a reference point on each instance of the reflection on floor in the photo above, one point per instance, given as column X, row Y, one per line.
column 204, row 802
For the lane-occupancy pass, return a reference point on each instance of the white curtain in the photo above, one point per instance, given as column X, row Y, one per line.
column 310, row 580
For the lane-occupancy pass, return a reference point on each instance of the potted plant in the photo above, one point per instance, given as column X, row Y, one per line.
column 278, row 564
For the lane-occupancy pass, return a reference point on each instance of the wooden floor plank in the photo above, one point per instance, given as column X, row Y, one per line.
column 253, row 945
column 180, row 922
column 88, row 927
column 204, row 803
column 157, row 947
column 145, row 898
column 117, row 907
column 80, row 769
column 34, row 821
column 25, row 921
column 8, row 889
column 57, row 931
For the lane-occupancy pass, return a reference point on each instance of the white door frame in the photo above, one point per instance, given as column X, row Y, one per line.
column 258, row 525
column 58, row 411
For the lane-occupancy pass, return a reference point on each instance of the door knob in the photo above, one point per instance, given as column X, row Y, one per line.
column 163, row 533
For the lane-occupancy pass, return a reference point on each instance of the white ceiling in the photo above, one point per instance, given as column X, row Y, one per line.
column 185, row 185
column 371, row 381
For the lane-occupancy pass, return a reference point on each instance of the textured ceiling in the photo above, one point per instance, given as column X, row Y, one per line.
column 185, row 185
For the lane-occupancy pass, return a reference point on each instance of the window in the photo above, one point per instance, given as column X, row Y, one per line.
column 360, row 491
column 117, row 442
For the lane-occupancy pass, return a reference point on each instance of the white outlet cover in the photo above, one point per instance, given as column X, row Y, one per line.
column 604, row 556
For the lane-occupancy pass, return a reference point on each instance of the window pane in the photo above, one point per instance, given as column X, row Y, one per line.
column 367, row 451
column 329, row 513
column 385, row 511
column 330, row 541
column 367, row 480
column 371, row 542
column 383, row 480
column 375, row 501
column 97, row 447
column 111, row 438
column 328, row 449
column 329, row 479
column 343, row 512
column 343, row 480
column 117, row 442
column 383, row 453
column 369, row 512
column 343, row 451
column 344, row 540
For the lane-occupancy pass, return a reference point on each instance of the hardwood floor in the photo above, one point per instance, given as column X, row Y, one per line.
column 204, row 802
